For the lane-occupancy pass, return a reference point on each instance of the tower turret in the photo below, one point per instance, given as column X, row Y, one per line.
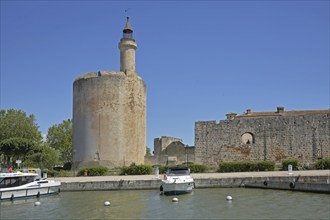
column 127, row 48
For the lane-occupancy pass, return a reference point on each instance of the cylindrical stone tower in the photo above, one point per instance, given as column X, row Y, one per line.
column 109, row 113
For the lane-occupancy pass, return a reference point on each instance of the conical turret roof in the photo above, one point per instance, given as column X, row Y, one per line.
column 128, row 28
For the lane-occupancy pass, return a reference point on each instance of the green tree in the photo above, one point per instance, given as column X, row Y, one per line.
column 148, row 152
column 59, row 137
column 19, row 134
column 43, row 157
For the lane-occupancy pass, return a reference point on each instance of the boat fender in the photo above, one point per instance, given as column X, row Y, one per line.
column 38, row 194
column 12, row 197
column 292, row 185
column 265, row 183
column 194, row 184
column 59, row 190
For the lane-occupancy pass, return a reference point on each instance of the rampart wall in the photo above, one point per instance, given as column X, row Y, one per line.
column 302, row 135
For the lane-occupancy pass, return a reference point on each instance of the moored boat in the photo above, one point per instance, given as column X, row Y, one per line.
column 20, row 185
column 177, row 180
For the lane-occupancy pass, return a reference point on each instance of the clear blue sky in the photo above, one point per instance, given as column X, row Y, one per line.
column 200, row 59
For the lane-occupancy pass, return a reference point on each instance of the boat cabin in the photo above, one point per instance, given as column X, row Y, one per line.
column 13, row 179
column 178, row 171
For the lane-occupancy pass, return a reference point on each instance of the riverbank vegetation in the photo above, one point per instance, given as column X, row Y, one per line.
column 134, row 169
column 323, row 164
column 246, row 166
column 287, row 162
column 93, row 171
column 21, row 140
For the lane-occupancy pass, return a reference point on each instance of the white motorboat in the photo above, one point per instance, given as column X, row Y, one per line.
column 20, row 185
column 177, row 180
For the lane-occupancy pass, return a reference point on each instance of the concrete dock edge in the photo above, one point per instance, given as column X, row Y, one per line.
column 309, row 181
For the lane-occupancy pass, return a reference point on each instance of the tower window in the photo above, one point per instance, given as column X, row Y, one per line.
column 128, row 35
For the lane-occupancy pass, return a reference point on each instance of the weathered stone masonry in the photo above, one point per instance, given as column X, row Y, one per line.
column 109, row 113
column 170, row 151
column 253, row 136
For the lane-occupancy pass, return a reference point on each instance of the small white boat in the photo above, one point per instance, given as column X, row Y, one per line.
column 20, row 185
column 177, row 180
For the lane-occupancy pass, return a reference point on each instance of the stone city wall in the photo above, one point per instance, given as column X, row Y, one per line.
column 300, row 135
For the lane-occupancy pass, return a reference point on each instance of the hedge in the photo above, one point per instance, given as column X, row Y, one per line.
column 227, row 167
column 293, row 162
column 197, row 168
column 134, row 169
column 245, row 166
column 266, row 165
column 163, row 169
column 93, row 171
column 323, row 164
column 56, row 173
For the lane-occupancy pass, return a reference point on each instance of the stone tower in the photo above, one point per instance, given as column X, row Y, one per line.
column 109, row 113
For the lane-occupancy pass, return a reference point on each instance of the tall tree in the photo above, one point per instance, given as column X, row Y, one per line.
column 148, row 151
column 60, row 137
column 43, row 157
column 19, row 133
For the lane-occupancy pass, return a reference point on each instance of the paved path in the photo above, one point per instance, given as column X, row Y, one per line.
column 196, row 176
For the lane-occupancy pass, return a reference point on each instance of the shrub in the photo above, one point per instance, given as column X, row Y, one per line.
column 246, row 166
column 293, row 162
column 93, row 171
column 134, row 169
column 44, row 171
column 323, row 164
column 163, row 169
column 227, row 167
column 65, row 173
column 61, row 173
column 52, row 173
column 58, row 168
column 197, row 168
column 236, row 166
column 266, row 165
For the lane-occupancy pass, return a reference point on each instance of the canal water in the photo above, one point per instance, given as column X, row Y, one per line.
column 149, row 204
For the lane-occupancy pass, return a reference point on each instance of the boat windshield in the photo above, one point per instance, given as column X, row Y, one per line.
column 178, row 172
column 6, row 182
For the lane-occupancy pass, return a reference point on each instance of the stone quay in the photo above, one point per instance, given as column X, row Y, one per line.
column 308, row 181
